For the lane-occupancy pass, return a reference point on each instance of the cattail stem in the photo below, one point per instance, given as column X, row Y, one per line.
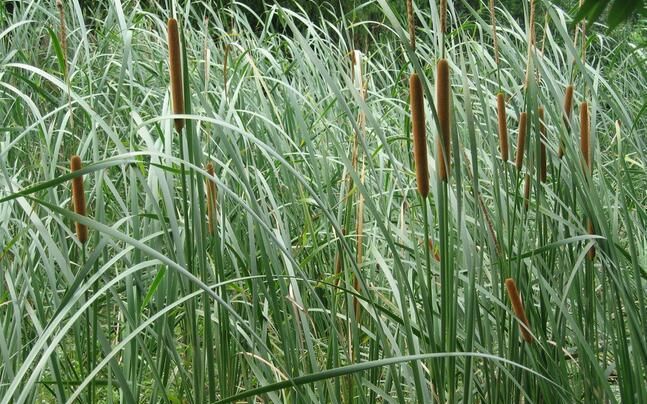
column 503, row 127
column 542, row 145
column 175, row 70
column 443, row 141
column 78, row 198
column 417, row 102
column 211, row 199
column 568, row 107
column 521, row 142
column 517, row 306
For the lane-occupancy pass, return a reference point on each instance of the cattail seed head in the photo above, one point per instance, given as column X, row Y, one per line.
column 517, row 306
column 442, row 109
column 417, row 102
column 568, row 107
column 503, row 127
column 175, row 69
column 211, row 199
column 521, row 142
column 542, row 145
column 526, row 192
column 591, row 230
column 585, row 141
column 78, row 198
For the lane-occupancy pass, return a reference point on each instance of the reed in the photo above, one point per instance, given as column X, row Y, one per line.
column 568, row 108
column 211, row 199
column 417, row 103
column 78, row 198
column 519, row 311
column 521, row 142
column 503, row 127
column 442, row 109
column 542, row 145
column 175, row 71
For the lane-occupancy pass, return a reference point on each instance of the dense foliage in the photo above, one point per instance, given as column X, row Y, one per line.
column 271, row 243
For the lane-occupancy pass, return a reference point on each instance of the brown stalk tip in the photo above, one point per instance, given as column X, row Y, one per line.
column 585, row 140
column 542, row 145
column 412, row 24
column 503, row 126
column 211, row 199
column 175, row 66
column 417, row 101
column 568, row 107
column 78, row 198
column 517, row 306
column 442, row 109
column 521, row 143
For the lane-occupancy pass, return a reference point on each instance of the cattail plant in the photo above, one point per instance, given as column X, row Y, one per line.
column 78, row 198
column 568, row 107
column 175, row 69
column 585, row 146
column 503, row 126
column 442, row 109
column 419, row 134
column 542, row 145
column 517, row 306
column 211, row 199
column 521, row 142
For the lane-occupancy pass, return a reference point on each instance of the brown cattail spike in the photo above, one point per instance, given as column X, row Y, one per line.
column 591, row 230
column 503, row 126
column 517, row 306
column 78, row 198
column 442, row 109
column 526, row 192
column 542, row 145
column 211, row 199
column 521, row 142
column 175, row 65
column 568, row 107
column 585, row 140
column 417, row 101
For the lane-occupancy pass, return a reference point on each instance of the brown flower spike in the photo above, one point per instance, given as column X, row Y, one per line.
column 517, row 306
column 419, row 134
column 521, row 143
column 78, row 199
column 568, row 107
column 503, row 127
column 175, row 65
column 442, row 109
